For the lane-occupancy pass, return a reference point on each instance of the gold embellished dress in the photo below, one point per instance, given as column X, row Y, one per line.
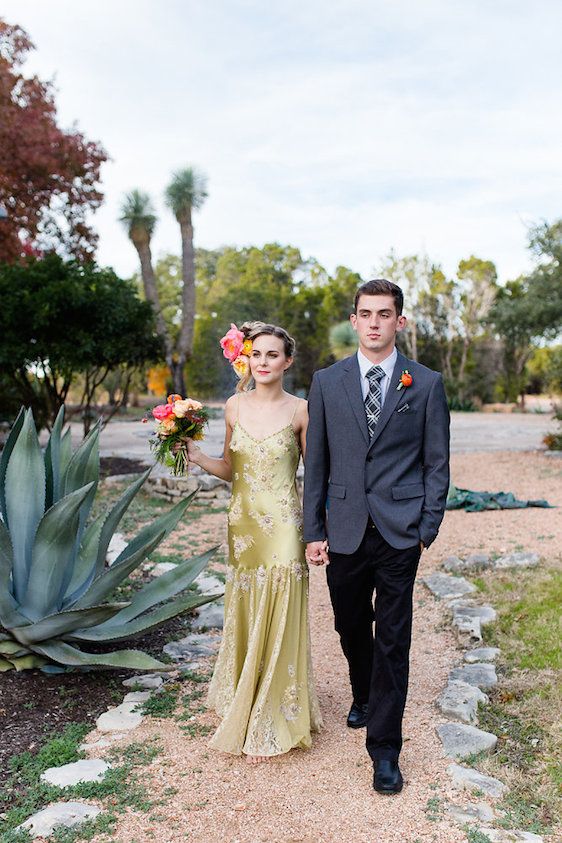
column 262, row 686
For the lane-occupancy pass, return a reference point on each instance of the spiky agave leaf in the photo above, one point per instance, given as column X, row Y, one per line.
column 146, row 622
column 57, row 592
column 4, row 459
column 164, row 587
column 53, row 555
column 63, row 623
column 52, row 461
column 24, row 491
column 65, row 654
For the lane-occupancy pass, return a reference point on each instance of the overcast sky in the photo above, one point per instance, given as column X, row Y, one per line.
column 345, row 128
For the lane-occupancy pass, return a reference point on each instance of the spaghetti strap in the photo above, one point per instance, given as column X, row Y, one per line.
column 238, row 408
column 297, row 401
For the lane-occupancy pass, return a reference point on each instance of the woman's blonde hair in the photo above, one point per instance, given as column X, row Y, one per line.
column 253, row 330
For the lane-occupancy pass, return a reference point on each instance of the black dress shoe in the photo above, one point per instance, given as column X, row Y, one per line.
column 387, row 778
column 357, row 717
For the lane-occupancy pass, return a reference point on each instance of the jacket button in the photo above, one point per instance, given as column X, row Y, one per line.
column 368, row 491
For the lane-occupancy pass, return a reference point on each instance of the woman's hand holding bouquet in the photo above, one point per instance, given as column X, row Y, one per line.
column 180, row 423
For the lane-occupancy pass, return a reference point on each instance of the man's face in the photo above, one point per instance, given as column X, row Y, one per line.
column 377, row 323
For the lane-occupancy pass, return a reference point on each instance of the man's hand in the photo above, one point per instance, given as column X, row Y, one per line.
column 317, row 553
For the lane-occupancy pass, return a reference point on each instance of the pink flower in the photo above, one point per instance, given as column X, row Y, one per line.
column 162, row 411
column 232, row 343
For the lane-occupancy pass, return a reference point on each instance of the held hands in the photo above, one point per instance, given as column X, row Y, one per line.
column 317, row 553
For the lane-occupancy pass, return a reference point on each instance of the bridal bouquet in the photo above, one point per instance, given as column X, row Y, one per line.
column 179, row 420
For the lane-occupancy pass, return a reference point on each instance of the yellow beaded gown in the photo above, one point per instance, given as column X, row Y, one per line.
column 262, row 685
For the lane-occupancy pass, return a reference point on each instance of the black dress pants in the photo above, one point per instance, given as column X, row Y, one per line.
column 379, row 666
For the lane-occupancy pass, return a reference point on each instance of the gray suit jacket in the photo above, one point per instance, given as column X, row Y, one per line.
column 400, row 478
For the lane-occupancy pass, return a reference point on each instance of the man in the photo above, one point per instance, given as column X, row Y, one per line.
column 376, row 481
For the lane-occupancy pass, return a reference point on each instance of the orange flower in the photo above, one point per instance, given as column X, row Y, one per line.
column 406, row 379
column 167, row 426
column 247, row 348
column 172, row 398
column 241, row 366
column 184, row 406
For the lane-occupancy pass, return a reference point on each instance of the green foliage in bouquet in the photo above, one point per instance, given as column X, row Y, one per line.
column 54, row 582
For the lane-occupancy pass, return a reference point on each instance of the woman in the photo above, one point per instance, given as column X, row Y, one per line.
column 262, row 686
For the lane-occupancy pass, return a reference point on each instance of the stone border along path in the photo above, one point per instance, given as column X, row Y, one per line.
column 459, row 702
column 465, row 690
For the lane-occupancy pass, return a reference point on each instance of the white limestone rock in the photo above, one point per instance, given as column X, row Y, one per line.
column 446, row 587
column 209, row 584
column 470, row 609
column 474, row 562
column 511, row 835
column 193, row 646
column 162, row 568
column 459, row 701
column 103, row 742
column 67, row 814
column 477, row 812
column 483, row 675
column 468, row 630
column 466, row 778
column 459, row 740
column 117, row 545
column 210, row 616
column 517, row 560
column 148, row 681
column 482, row 654
column 88, row 770
column 119, row 719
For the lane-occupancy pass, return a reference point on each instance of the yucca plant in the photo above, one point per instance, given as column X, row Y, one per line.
column 53, row 576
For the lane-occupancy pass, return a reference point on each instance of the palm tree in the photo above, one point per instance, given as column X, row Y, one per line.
column 186, row 192
column 139, row 218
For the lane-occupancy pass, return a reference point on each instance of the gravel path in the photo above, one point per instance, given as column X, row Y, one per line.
column 325, row 794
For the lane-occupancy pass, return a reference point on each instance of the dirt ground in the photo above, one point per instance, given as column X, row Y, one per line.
column 325, row 795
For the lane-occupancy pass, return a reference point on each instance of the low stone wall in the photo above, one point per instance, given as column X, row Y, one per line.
column 210, row 488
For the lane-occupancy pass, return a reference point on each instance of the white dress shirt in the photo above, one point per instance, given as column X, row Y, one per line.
column 387, row 365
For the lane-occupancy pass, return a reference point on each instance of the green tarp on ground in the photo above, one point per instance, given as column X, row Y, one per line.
column 478, row 501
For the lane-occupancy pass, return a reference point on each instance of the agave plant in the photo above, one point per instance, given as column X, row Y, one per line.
column 53, row 575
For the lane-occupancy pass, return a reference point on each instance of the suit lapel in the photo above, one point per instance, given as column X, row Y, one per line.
column 393, row 396
column 352, row 384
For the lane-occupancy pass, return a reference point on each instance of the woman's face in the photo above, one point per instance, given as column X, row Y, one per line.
column 268, row 361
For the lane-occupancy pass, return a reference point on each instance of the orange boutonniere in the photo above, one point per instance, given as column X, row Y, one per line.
column 405, row 380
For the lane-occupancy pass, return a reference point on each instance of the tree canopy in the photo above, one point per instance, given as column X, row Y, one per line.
column 49, row 177
column 62, row 318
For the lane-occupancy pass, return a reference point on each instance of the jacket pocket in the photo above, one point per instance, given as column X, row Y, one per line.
column 412, row 490
column 335, row 491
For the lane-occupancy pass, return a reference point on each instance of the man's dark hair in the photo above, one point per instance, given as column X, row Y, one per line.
column 381, row 287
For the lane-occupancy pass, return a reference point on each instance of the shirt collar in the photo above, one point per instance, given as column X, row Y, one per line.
column 387, row 364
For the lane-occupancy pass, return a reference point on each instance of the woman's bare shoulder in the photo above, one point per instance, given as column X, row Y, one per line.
column 231, row 408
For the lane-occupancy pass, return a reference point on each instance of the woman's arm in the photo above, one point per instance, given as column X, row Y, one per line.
column 301, row 425
column 220, row 467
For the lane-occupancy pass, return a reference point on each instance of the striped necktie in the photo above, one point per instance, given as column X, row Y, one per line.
column 373, row 400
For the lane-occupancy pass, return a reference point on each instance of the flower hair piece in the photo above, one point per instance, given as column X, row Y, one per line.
column 236, row 347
